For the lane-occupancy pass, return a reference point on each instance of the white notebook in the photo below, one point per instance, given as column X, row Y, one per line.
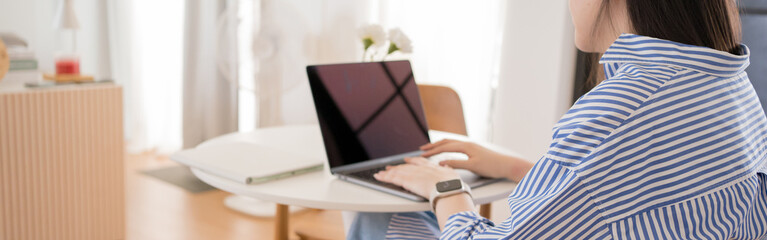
column 247, row 163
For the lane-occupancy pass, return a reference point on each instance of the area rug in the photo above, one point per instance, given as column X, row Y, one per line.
column 179, row 176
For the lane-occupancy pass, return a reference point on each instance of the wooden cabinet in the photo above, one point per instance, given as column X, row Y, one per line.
column 62, row 163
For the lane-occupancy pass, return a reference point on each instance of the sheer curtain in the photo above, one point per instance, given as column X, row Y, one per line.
column 287, row 35
column 145, row 49
column 455, row 43
column 210, row 68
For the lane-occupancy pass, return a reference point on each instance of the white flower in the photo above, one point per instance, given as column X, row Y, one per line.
column 372, row 35
column 399, row 42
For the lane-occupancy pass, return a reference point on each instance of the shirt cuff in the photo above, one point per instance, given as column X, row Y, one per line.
column 468, row 220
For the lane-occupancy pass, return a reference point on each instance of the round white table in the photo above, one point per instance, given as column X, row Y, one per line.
column 320, row 189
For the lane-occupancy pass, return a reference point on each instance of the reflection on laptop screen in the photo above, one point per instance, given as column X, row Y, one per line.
column 367, row 110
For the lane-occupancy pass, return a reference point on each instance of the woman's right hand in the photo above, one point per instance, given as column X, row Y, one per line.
column 482, row 161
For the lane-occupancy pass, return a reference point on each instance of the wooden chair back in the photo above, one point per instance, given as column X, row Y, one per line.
column 443, row 109
column 444, row 112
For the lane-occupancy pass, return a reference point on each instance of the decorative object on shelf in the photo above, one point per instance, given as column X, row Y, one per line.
column 373, row 38
column 67, row 61
column 48, row 84
column 5, row 62
column 21, row 61
column 66, row 19
column 65, row 78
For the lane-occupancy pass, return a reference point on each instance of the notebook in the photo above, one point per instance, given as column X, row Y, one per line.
column 246, row 162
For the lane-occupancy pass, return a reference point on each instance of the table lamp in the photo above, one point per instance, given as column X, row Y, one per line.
column 67, row 61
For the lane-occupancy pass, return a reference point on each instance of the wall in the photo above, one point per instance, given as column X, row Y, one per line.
column 33, row 20
column 536, row 78
column 754, row 32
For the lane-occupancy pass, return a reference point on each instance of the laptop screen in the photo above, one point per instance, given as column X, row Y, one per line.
column 367, row 110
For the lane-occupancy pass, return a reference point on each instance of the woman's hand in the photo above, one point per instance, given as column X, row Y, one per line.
column 417, row 175
column 482, row 161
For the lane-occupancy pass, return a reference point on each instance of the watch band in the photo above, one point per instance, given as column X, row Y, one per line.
column 436, row 194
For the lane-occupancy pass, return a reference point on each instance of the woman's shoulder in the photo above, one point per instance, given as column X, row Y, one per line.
column 607, row 109
column 628, row 89
column 617, row 98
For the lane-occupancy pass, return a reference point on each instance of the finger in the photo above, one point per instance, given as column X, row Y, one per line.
column 382, row 176
column 417, row 161
column 438, row 143
column 397, row 175
column 451, row 147
column 431, row 145
column 388, row 172
column 457, row 164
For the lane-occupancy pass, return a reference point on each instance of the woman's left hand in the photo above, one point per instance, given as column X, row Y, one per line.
column 417, row 175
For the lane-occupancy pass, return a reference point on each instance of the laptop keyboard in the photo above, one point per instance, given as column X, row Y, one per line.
column 368, row 173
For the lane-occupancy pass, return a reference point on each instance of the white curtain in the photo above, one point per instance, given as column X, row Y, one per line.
column 210, row 70
column 145, row 49
column 287, row 36
column 455, row 43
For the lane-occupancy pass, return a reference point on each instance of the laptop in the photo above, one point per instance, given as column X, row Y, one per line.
column 370, row 116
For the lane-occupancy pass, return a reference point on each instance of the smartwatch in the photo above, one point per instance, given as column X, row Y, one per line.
column 446, row 189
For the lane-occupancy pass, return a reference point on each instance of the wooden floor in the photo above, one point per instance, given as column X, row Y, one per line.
column 158, row 210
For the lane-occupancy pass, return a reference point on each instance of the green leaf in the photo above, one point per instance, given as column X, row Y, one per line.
column 367, row 42
column 392, row 48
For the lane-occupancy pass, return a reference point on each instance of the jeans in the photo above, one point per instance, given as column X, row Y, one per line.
column 367, row 225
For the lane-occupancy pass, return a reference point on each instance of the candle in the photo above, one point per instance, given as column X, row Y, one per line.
column 67, row 64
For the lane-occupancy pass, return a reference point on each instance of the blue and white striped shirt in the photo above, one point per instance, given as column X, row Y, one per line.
column 671, row 146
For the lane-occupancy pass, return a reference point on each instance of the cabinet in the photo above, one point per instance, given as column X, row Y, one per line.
column 61, row 163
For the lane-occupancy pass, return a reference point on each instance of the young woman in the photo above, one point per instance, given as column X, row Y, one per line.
column 670, row 146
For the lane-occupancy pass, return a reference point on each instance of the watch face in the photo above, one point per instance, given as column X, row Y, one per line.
column 446, row 186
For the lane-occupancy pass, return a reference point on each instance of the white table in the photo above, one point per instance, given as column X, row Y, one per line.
column 320, row 189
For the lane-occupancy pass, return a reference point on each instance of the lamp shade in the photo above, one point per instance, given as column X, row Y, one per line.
column 65, row 16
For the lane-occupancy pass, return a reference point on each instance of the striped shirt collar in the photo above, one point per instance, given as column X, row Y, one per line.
column 631, row 48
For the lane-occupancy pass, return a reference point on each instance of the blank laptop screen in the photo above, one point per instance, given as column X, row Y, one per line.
column 367, row 110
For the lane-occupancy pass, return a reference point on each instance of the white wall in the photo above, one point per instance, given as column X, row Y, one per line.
column 33, row 21
column 536, row 78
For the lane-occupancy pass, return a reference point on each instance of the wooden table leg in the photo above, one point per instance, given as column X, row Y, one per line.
column 484, row 210
column 281, row 222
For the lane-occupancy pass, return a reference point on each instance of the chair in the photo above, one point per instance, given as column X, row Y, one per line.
column 444, row 112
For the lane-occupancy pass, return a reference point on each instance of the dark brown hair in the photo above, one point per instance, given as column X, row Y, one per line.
column 708, row 23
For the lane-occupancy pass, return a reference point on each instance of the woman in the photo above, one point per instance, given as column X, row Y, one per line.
column 671, row 145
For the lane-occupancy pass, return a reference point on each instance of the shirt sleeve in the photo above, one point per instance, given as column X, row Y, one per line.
column 549, row 203
column 552, row 202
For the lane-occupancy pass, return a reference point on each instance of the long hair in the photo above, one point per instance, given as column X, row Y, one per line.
column 707, row 23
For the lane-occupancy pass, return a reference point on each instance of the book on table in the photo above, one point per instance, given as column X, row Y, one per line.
column 247, row 163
